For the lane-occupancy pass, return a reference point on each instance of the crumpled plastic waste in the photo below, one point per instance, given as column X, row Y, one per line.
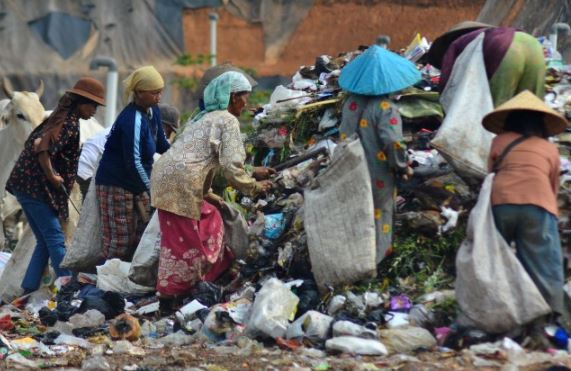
column 355, row 345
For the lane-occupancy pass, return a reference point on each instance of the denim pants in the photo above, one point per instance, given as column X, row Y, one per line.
column 538, row 248
column 47, row 229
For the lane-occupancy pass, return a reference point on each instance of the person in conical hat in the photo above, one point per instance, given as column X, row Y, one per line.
column 514, row 59
column 369, row 111
column 524, row 192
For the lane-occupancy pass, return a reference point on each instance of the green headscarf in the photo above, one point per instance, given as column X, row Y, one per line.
column 217, row 93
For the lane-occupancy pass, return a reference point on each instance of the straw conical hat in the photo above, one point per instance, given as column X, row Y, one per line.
column 526, row 100
column 441, row 43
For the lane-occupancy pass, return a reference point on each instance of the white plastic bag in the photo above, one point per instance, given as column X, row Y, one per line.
column 273, row 307
column 86, row 248
column 461, row 139
column 114, row 276
column 493, row 290
column 145, row 263
column 407, row 340
column 355, row 345
column 339, row 220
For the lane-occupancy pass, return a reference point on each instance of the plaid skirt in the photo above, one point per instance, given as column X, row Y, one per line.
column 124, row 217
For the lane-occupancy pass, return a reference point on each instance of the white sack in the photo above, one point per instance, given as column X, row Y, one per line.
column 114, row 276
column 145, row 263
column 493, row 289
column 86, row 248
column 339, row 219
column 461, row 139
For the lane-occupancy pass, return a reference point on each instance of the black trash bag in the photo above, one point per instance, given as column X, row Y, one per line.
column 308, row 295
column 67, row 292
column 64, row 310
column 48, row 338
column 87, row 332
column 207, row 293
column 202, row 314
column 111, row 304
column 460, row 338
column 48, row 317
column 377, row 316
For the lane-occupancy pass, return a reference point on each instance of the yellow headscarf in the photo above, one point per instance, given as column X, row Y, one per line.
column 143, row 78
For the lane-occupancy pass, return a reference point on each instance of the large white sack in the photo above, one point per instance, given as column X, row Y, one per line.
column 86, row 248
column 466, row 99
column 15, row 269
column 145, row 263
column 339, row 219
column 493, row 290
column 114, row 276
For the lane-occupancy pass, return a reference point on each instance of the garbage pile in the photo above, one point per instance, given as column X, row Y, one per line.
column 282, row 291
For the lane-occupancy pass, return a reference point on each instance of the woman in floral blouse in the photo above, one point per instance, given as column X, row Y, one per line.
column 44, row 174
column 191, row 227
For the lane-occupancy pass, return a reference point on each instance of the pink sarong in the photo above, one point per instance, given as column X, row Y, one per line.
column 191, row 250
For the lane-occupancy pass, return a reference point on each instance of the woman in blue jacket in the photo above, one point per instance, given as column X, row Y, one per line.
column 124, row 172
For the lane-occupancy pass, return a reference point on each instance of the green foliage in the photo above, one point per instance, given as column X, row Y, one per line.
column 421, row 264
column 192, row 60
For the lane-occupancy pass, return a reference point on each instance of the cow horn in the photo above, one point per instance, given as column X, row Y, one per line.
column 40, row 89
column 7, row 87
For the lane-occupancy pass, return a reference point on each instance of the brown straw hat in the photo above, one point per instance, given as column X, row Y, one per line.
column 89, row 88
column 525, row 101
column 441, row 43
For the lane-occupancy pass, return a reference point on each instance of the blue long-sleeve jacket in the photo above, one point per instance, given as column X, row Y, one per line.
column 128, row 155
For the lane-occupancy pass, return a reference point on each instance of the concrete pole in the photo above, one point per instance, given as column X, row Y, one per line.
column 110, row 89
column 213, row 40
column 555, row 29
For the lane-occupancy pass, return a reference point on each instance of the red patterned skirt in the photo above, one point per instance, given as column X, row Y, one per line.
column 191, row 250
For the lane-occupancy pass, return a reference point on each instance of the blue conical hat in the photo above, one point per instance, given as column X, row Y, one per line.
column 377, row 72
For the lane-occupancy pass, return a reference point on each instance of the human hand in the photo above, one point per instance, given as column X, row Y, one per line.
column 408, row 173
column 262, row 172
column 56, row 181
column 265, row 185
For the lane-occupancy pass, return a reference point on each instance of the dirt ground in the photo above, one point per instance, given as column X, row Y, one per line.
column 219, row 358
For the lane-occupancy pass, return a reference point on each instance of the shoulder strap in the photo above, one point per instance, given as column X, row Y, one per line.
column 502, row 155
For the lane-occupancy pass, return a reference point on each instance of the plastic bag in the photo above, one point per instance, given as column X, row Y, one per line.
column 493, row 289
column 355, row 345
column 145, row 263
column 235, row 230
column 86, row 248
column 273, row 307
column 462, row 139
column 274, row 227
column 114, row 276
column 407, row 340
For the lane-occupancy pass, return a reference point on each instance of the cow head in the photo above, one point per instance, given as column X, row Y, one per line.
column 23, row 110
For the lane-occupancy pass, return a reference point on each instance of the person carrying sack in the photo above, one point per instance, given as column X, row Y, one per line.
column 525, row 187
